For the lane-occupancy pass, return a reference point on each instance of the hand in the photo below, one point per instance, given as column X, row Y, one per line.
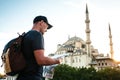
column 57, row 61
column 60, row 60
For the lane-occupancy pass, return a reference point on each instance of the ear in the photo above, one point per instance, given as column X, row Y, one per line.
column 40, row 22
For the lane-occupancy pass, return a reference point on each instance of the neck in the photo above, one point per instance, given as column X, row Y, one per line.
column 35, row 27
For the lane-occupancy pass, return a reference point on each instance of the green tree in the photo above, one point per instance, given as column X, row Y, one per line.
column 109, row 74
column 86, row 73
column 64, row 72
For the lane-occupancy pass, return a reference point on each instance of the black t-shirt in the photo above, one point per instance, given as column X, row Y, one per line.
column 33, row 40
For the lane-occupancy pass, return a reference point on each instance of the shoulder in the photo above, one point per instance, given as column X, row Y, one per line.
column 33, row 33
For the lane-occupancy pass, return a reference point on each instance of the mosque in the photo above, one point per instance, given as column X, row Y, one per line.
column 82, row 53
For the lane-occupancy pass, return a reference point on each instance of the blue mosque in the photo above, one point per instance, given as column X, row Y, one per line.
column 83, row 54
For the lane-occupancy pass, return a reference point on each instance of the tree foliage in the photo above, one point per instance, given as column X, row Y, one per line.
column 65, row 72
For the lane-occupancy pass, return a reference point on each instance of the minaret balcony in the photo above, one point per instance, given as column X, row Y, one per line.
column 88, row 42
column 87, row 31
column 87, row 21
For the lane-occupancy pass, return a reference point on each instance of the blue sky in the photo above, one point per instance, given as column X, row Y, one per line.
column 68, row 19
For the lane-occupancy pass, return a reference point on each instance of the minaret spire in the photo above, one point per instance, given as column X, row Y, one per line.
column 111, row 43
column 86, row 9
column 88, row 41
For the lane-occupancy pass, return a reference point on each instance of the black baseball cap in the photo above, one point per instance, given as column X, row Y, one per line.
column 39, row 18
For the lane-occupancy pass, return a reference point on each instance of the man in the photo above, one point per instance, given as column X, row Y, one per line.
column 33, row 49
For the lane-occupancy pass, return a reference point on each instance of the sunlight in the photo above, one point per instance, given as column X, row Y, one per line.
column 116, row 57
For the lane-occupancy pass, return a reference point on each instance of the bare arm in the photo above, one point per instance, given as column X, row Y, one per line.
column 43, row 60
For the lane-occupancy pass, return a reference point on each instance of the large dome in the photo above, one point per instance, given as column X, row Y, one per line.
column 69, row 45
column 74, row 39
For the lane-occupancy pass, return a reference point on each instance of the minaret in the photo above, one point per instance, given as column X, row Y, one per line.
column 88, row 41
column 111, row 43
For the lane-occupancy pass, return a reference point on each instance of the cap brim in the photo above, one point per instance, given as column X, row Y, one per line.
column 49, row 26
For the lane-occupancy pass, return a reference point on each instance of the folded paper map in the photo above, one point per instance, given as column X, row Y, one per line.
column 48, row 71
